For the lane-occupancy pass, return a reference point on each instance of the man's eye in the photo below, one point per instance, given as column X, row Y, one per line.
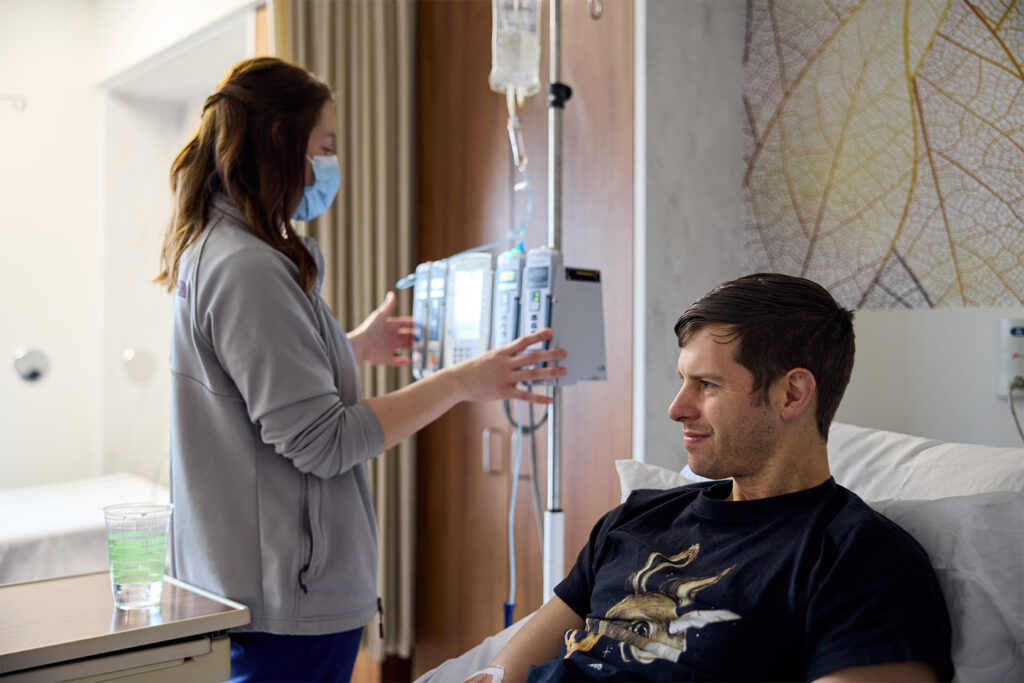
column 704, row 384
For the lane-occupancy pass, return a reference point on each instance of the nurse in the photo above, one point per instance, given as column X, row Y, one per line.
column 269, row 435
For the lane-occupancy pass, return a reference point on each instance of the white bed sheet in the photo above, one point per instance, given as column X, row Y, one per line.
column 476, row 659
column 58, row 530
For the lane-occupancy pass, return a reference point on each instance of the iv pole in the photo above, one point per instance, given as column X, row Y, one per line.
column 554, row 521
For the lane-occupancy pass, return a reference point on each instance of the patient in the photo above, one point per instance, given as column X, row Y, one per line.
column 778, row 573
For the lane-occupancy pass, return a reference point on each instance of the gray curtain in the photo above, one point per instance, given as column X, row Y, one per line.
column 365, row 50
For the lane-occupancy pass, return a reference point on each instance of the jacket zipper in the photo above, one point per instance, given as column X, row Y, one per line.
column 311, row 528
column 307, row 529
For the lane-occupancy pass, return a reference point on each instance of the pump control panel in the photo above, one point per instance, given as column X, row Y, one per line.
column 435, row 318
column 508, row 275
column 568, row 300
column 467, row 307
column 420, row 306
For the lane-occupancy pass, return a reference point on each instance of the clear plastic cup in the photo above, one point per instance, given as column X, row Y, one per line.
column 137, row 543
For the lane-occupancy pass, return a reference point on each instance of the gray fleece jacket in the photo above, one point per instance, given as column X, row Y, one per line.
column 269, row 439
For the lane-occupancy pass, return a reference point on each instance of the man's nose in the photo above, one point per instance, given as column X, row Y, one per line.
column 682, row 407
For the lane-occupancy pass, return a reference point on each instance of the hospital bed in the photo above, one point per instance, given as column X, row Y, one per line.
column 964, row 503
column 58, row 530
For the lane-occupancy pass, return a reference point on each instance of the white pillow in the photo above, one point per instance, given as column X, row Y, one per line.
column 639, row 475
column 878, row 465
column 976, row 545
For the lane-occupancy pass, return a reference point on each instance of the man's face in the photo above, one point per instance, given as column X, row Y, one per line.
column 725, row 430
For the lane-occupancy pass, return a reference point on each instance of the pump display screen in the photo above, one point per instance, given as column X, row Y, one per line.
column 469, row 288
column 436, row 301
column 537, row 275
column 434, row 328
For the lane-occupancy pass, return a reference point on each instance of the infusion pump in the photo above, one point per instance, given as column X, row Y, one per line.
column 508, row 275
column 469, row 303
column 467, row 330
column 420, row 307
column 568, row 300
column 433, row 329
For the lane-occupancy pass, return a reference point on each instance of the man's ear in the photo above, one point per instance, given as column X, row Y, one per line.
column 801, row 388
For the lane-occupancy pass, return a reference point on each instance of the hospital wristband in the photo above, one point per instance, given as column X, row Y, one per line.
column 496, row 671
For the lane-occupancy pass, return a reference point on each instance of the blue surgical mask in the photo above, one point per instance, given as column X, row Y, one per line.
column 318, row 197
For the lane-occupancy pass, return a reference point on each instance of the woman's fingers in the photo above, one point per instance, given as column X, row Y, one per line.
column 525, row 341
column 541, row 356
column 405, row 337
column 535, row 374
column 502, row 373
column 530, row 397
column 388, row 304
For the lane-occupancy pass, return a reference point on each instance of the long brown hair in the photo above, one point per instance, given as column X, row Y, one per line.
column 251, row 145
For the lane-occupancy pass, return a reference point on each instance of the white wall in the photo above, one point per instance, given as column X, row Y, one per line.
column 83, row 203
column 149, row 111
column 932, row 373
column 927, row 372
column 50, row 238
column 131, row 31
column 141, row 139
column 694, row 209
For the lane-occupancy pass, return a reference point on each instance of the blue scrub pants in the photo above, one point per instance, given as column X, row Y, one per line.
column 269, row 657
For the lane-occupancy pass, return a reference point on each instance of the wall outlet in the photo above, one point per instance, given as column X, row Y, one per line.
column 1010, row 353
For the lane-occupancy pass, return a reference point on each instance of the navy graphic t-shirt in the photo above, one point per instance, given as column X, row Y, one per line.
column 683, row 585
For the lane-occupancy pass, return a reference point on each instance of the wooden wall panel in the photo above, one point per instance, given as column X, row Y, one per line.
column 465, row 198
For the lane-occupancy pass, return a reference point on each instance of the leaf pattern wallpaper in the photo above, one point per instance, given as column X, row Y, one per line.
column 885, row 155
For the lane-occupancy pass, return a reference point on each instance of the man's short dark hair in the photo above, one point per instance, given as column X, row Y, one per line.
column 781, row 322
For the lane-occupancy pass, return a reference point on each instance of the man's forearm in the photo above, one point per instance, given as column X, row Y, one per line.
column 538, row 641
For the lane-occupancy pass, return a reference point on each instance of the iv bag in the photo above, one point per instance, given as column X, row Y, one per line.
column 515, row 47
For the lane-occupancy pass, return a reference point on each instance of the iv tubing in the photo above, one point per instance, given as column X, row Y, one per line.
column 537, row 508
column 510, row 605
column 511, row 237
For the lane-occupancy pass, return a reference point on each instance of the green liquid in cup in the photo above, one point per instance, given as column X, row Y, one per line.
column 137, row 542
column 137, row 556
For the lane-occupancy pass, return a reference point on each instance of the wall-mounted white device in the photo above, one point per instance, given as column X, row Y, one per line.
column 467, row 330
column 1010, row 354
column 420, row 309
column 508, row 274
column 569, row 301
column 435, row 317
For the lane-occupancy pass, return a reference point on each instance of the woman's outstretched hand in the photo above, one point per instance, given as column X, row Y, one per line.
column 499, row 373
column 382, row 339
